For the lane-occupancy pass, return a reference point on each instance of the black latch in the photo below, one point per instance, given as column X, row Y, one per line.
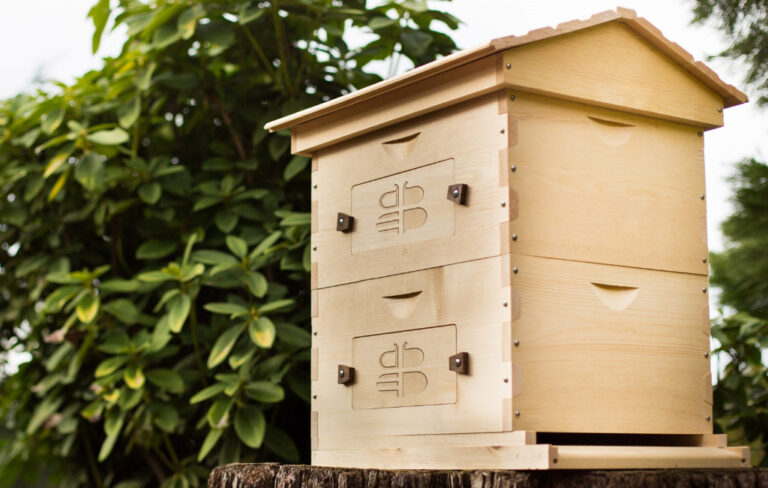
column 345, row 374
column 459, row 363
column 458, row 193
column 344, row 223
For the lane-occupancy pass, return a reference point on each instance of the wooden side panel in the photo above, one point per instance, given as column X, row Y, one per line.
column 377, row 326
column 395, row 184
column 424, row 96
column 611, row 65
column 603, row 186
column 607, row 349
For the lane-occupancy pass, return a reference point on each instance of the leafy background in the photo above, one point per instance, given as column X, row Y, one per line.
column 154, row 258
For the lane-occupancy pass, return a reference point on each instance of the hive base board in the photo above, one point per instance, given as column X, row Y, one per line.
column 519, row 450
column 537, row 456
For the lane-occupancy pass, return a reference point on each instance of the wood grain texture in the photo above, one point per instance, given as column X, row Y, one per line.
column 588, row 364
column 612, row 66
column 603, row 186
column 730, row 95
column 298, row 476
column 468, row 297
column 467, row 231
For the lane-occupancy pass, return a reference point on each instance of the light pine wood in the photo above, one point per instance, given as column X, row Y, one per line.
column 467, row 299
column 731, row 96
column 610, row 65
column 541, row 456
column 354, row 176
column 448, row 88
column 609, row 349
column 607, row 187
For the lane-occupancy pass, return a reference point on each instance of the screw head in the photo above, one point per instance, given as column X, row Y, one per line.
column 457, row 361
column 314, row 332
column 455, row 193
column 314, row 186
column 702, row 196
column 503, row 204
column 514, row 237
column 502, row 131
column 517, row 413
column 708, row 418
column 509, row 66
column 706, row 355
column 511, row 97
column 314, row 396
column 341, row 220
column 704, row 290
column 516, row 342
column 314, row 248
column 515, row 270
column 513, row 168
column 700, row 134
column 506, row 380
column 703, row 260
column 505, row 304
column 719, row 109
column 341, row 373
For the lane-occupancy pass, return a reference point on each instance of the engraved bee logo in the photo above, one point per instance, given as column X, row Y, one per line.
column 402, row 215
column 406, row 379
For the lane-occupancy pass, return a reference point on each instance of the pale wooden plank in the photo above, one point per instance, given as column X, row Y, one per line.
column 603, row 186
column 645, row 457
column 612, row 66
column 607, row 349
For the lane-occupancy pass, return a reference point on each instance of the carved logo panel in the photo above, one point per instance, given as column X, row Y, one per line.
column 403, row 208
column 403, row 369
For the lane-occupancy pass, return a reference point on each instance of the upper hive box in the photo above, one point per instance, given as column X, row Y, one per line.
column 509, row 250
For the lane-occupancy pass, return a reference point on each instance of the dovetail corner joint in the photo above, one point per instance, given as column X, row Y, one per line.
column 345, row 375
column 459, row 363
column 458, row 193
column 345, row 223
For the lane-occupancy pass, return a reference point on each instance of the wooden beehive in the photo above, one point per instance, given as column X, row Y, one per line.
column 509, row 265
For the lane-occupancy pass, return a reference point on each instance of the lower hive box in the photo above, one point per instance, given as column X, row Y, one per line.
column 515, row 362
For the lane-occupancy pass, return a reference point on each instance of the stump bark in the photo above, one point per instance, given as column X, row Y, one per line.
column 299, row 476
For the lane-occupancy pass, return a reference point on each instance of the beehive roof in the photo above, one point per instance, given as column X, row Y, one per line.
column 730, row 94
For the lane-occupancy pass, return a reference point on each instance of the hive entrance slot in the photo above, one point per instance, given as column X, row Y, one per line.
column 615, row 297
column 583, row 439
column 402, row 305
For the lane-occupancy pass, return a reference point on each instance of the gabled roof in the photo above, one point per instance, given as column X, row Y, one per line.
column 730, row 94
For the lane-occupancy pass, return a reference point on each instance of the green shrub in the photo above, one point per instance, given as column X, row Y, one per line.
column 154, row 258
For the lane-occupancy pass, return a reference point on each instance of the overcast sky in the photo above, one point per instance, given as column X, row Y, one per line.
column 51, row 39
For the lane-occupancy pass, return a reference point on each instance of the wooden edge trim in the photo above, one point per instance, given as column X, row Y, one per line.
column 706, row 325
column 314, row 303
column 506, row 414
column 314, row 365
column 506, row 342
column 504, row 245
column 707, row 388
column 313, row 431
column 313, row 277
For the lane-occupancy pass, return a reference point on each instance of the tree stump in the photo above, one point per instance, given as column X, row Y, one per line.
column 296, row 476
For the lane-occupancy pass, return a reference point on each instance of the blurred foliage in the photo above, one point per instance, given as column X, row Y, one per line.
column 744, row 22
column 154, row 258
column 741, row 271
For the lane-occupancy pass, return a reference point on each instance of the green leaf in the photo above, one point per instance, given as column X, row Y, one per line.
column 264, row 391
column 265, row 244
column 113, row 423
column 273, row 306
column 150, row 192
column 248, row 13
column 415, row 43
column 296, row 219
column 256, row 283
column 187, row 21
column 57, row 161
column 296, row 166
column 293, row 335
column 207, row 393
column 210, row 441
column 112, row 137
column 165, row 416
column 56, row 300
column 53, row 120
column 262, row 332
column 60, row 182
column 100, row 14
column 167, row 379
column 218, row 413
column 213, row 257
column 129, row 112
column 281, row 444
column 242, row 352
column 226, row 308
column 155, row 276
column 109, row 366
column 226, row 221
column 87, row 308
column 156, row 249
column 90, row 172
column 178, row 312
column 119, row 286
column 43, row 410
column 250, row 426
column 237, row 245
column 123, row 310
column 224, row 345
column 133, row 376
column 381, row 23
